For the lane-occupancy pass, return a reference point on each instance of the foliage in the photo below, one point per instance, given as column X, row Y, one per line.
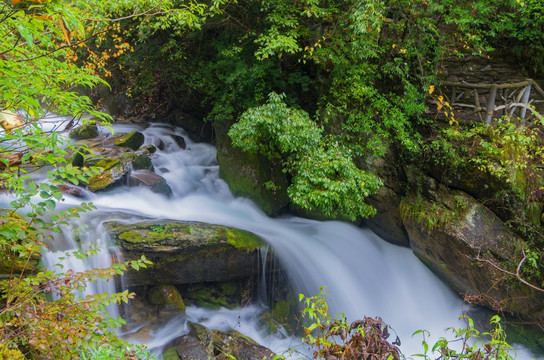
column 335, row 338
column 429, row 215
column 324, row 175
column 132, row 352
column 474, row 344
column 42, row 313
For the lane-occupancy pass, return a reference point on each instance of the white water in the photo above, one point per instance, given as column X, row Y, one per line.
column 364, row 274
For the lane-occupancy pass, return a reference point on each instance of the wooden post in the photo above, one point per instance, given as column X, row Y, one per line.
column 478, row 105
column 491, row 104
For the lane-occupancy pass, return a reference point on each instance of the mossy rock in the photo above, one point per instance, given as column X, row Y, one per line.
column 77, row 159
column 187, row 252
column 202, row 344
column 132, row 140
column 109, row 178
column 167, row 295
column 182, row 234
column 251, row 175
column 101, row 162
column 139, row 160
column 170, row 354
column 84, row 132
column 210, row 297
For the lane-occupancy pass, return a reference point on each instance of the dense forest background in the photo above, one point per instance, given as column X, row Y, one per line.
column 320, row 92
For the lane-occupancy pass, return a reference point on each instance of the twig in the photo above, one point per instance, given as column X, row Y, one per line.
column 516, row 274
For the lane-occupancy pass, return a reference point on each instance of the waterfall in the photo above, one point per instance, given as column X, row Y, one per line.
column 364, row 274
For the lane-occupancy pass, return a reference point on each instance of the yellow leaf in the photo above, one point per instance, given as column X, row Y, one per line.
column 431, row 89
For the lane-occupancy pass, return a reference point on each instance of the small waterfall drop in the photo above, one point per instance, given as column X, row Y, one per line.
column 364, row 274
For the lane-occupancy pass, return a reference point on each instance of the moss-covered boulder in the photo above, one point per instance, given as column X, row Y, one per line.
column 164, row 295
column 139, row 159
column 84, row 132
column 449, row 230
column 170, row 354
column 251, row 175
column 215, row 295
column 203, row 344
column 187, row 252
column 111, row 176
column 132, row 140
column 387, row 223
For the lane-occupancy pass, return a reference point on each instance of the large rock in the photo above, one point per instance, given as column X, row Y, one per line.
column 449, row 229
column 186, row 252
column 151, row 180
column 248, row 175
column 132, row 140
column 84, row 132
column 202, row 344
column 387, row 223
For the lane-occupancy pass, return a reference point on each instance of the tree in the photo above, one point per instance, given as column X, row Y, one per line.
column 41, row 313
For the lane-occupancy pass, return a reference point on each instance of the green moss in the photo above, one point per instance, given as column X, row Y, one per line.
column 167, row 295
column 100, row 182
column 229, row 288
column 101, row 162
column 132, row 140
column 190, row 232
column 84, row 132
column 170, row 354
column 268, row 323
column 242, row 239
column 209, row 296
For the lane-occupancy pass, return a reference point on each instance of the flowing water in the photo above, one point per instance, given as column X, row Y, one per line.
column 365, row 275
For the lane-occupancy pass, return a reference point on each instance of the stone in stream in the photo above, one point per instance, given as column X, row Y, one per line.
column 132, row 140
column 202, row 344
column 186, row 252
column 449, row 229
column 84, row 132
column 164, row 295
column 180, row 141
column 113, row 172
column 151, row 180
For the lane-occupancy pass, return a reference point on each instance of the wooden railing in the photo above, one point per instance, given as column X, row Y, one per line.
column 488, row 101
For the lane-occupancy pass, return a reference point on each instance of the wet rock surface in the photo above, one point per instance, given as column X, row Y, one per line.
column 186, row 252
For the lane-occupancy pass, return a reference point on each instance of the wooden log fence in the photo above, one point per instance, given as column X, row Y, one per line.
column 487, row 100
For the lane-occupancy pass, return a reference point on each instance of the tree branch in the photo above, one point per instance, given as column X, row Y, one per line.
column 516, row 274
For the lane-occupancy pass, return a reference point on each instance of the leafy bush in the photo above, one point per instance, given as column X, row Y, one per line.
column 335, row 338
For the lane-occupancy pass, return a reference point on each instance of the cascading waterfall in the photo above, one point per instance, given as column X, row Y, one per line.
column 364, row 274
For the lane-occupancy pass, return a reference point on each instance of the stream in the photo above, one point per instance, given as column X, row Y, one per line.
column 364, row 274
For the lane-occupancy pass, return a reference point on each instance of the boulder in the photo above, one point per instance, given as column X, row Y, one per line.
column 132, row 140
column 387, row 223
column 151, row 180
column 113, row 174
column 449, row 230
column 186, row 252
column 248, row 175
column 139, row 160
column 164, row 295
column 84, row 132
column 180, row 141
column 202, row 344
